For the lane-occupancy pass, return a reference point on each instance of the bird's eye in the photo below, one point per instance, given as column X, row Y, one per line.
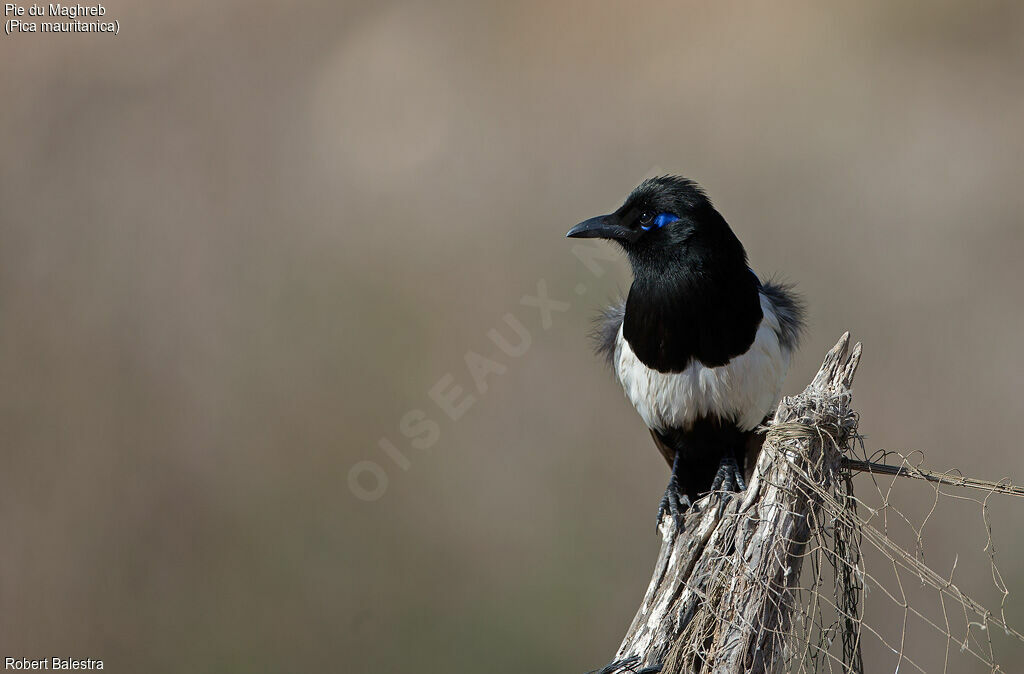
column 648, row 220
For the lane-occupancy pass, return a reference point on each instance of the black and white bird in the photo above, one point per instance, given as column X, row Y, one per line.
column 701, row 345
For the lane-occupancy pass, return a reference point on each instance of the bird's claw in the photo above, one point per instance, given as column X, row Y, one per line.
column 729, row 478
column 675, row 502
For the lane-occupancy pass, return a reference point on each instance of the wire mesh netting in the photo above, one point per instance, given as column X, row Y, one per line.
column 864, row 551
column 855, row 560
column 800, row 574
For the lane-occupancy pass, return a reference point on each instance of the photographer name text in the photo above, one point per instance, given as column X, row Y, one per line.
column 59, row 664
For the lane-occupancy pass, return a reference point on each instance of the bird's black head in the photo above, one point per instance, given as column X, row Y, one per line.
column 666, row 220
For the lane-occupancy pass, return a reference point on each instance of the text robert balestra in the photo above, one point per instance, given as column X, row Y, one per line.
column 52, row 663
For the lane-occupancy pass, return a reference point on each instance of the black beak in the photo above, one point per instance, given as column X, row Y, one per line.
column 601, row 227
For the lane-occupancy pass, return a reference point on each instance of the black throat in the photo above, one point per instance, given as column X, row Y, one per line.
column 693, row 302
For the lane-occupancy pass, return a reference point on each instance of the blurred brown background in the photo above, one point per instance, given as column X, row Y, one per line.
column 241, row 240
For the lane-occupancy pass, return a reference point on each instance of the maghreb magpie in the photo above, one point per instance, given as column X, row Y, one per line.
column 700, row 345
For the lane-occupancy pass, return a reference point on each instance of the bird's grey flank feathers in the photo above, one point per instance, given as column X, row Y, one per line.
column 606, row 329
column 789, row 308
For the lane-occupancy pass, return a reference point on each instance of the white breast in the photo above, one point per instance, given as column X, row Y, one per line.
column 743, row 390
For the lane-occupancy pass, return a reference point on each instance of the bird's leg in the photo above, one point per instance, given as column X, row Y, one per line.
column 675, row 501
column 729, row 476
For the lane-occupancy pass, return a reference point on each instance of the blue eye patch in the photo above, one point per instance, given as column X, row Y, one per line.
column 660, row 220
column 663, row 219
